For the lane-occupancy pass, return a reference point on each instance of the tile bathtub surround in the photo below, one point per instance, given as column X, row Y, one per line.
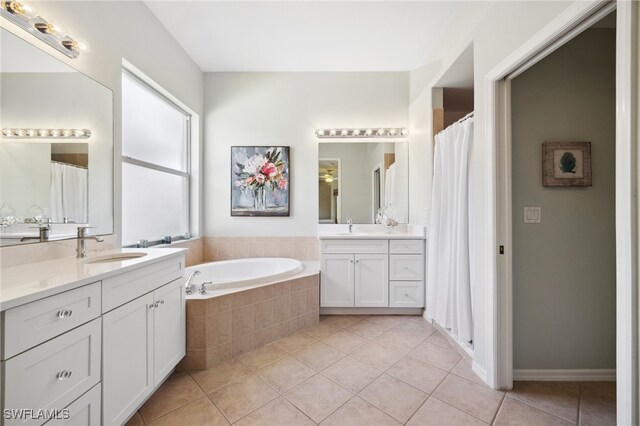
column 313, row 377
column 195, row 255
column 227, row 248
column 223, row 327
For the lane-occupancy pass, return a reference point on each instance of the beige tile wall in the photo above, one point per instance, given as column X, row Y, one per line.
column 224, row 327
column 196, row 250
column 225, row 248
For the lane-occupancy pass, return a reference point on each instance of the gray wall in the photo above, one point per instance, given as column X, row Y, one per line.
column 564, row 268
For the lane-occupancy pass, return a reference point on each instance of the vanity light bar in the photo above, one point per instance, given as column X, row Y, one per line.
column 379, row 132
column 46, row 133
column 27, row 18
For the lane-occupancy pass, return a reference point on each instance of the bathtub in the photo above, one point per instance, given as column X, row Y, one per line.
column 250, row 303
column 240, row 273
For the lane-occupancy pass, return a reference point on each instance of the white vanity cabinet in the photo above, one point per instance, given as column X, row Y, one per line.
column 143, row 341
column 372, row 273
column 95, row 352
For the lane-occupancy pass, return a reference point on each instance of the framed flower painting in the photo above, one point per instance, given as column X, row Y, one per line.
column 260, row 180
column 566, row 164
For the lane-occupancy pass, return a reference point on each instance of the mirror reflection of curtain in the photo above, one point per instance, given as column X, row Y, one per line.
column 68, row 193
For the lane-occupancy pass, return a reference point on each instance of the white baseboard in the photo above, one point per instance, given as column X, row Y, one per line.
column 586, row 375
column 481, row 372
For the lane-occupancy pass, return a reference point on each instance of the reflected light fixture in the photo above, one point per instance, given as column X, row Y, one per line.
column 46, row 133
column 26, row 17
column 357, row 133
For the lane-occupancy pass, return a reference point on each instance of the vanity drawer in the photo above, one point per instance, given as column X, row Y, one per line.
column 406, row 246
column 355, row 246
column 406, row 267
column 406, row 294
column 125, row 287
column 33, row 323
column 51, row 376
column 84, row 411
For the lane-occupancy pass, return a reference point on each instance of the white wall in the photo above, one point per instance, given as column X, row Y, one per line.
column 496, row 30
column 117, row 30
column 285, row 109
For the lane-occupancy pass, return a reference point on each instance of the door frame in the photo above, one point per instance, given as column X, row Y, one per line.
column 381, row 177
column 339, row 197
column 498, row 159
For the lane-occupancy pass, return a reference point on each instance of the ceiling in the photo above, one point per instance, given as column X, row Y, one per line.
column 307, row 35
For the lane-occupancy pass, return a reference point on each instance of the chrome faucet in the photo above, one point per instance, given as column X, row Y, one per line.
column 43, row 234
column 188, row 289
column 203, row 287
column 81, row 248
column 350, row 223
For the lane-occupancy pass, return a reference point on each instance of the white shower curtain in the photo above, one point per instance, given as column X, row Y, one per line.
column 449, row 295
column 68, row 193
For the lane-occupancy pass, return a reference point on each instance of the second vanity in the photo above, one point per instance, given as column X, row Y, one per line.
column 87, row 341
column 371, row 270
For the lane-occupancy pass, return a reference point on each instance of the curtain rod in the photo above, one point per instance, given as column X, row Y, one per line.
column 466, row 117
column 70, row 165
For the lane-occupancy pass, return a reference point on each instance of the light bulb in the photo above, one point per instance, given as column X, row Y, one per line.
column 319, row 132
column 43, row 133
column 404, row 131
column 332, row 132
column 344, row 132
column 83, row 46
column 31, row 133
column 369, row 132
column 329, row 179
column 22, row 9
column 87, row 133
column 356, row 132
column 20, row 132
column 380, row 132
column 392, row 132
column 6, row 132
column 56, row 31
column 67, row 133
column 54, row 132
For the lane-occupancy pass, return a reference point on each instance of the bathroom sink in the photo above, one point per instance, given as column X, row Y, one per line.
column 118, row 257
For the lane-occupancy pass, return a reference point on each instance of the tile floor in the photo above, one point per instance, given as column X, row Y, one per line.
column 366, row 370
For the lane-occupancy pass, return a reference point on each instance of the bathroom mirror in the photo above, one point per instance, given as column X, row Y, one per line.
column 356, row 179
column 56, row 147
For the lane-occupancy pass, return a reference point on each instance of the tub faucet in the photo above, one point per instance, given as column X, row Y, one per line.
column 203, row 287
column 350, row 223
column 81, row 248
column 188, row 288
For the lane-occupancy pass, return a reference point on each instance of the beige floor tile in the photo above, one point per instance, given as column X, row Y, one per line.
column 557, row 398
column 419, row 326
column 438, row 338
column 389, row 321
column 515, row 413
column 285, row 373
column 276, row 413
column 294, row 343
column 243, row 396
column 220, row 375
column 445, row 358
column 351, row 374
column 603, row 392
column 344, row 321
column 322, row 330
column 261, row 357
column 318, row 397
column 593, row 413
column 136, row 420
column 318, row 356
column 469, row 397
column 377, row 356
column 200, row 412
column 437, row 413
column 345, row 342
column 173, row 393
column 400, row 340
column 464, row 369
column 358, row 412
column 367, row 329
column 394, row 397
column 419, row 374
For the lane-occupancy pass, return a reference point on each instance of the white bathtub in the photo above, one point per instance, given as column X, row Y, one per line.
column 240, row 273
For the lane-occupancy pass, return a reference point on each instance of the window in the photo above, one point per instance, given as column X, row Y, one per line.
column 155, row 164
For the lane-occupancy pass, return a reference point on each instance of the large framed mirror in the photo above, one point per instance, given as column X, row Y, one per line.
column 357, row 179
column 56, row 147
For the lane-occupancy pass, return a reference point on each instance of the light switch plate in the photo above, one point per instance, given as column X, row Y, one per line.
column 532, row 215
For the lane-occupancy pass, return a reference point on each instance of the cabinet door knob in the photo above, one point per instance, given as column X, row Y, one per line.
column 161, row 302
column 351, row 261
column 64, row 313
column 64, row 374
column 357, row 261
column 60, row 314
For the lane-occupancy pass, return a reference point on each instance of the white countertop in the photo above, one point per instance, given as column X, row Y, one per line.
column 370, row 232
column 26, row 283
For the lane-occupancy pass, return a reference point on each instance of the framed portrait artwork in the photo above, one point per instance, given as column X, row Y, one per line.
column 566, row 164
